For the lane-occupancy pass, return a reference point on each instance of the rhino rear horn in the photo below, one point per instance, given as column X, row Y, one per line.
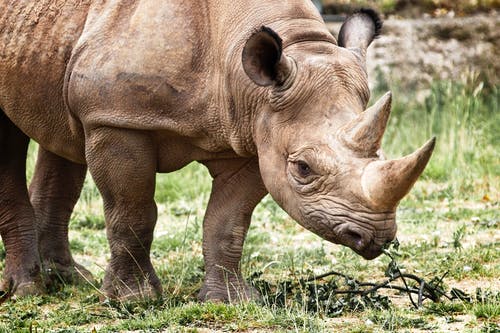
column 364, row 134
column 359, row 30
column 263, row 58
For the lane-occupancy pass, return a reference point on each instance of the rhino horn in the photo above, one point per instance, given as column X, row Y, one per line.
column 364, row 134
column 385, row 183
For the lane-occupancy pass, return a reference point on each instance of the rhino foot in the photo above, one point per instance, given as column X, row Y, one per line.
column 18, row 286
column 56, row 273
column 233, row 290
column 127, row 295
column 29, row 289
column 139, row 288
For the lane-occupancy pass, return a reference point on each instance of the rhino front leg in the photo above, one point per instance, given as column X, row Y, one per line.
column 237, row 188
column 21, row 275
column 123, row 165
column 54, row 191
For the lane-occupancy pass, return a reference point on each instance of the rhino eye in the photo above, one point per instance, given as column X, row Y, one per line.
column 303, row 169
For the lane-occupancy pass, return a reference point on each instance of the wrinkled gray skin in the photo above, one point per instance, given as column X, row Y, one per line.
column 257, row 91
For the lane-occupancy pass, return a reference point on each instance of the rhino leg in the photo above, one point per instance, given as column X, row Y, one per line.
column 237, row 188
column 54, row 191
column 123, row 165
column 21, row 275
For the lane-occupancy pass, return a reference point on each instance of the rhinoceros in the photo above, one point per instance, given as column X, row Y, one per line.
column 259, row 92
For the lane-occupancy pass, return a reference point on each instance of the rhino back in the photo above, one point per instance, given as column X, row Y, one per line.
column 144, row 61
column 171, row 66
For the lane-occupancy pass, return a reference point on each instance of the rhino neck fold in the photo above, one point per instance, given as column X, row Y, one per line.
column 238, row 110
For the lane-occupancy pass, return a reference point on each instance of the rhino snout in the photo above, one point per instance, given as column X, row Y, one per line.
column 367, row 244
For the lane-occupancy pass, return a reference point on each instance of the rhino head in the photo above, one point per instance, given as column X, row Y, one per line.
column 318, row 143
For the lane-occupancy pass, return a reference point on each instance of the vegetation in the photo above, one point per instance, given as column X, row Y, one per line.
column 449, row 224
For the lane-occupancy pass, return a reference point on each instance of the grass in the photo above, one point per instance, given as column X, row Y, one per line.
column 448, row 223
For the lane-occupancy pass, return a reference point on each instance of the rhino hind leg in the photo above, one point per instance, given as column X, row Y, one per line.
column 123, row 165
column 236, row 189
column 54, row 191
column 21, row 275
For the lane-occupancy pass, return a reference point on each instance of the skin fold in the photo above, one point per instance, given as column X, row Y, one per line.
column 257, row 91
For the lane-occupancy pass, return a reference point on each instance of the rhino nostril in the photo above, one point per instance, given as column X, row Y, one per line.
column 356, row 238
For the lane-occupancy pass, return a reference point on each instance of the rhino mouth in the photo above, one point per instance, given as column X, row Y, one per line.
column 370, row 252
column 366, row 238
column 360, row 241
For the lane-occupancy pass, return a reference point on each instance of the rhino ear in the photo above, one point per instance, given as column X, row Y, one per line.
column 263, row 59
column 359, row 30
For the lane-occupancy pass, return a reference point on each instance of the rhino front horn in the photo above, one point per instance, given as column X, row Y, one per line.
column 364, row 134
column 385, row 183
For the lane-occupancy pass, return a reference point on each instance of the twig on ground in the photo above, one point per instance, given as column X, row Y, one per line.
column 357, row 293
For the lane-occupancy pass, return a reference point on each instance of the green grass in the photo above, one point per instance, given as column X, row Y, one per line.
column 448, row 223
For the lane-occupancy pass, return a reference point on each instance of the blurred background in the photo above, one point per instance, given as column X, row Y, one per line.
column 426, row 40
